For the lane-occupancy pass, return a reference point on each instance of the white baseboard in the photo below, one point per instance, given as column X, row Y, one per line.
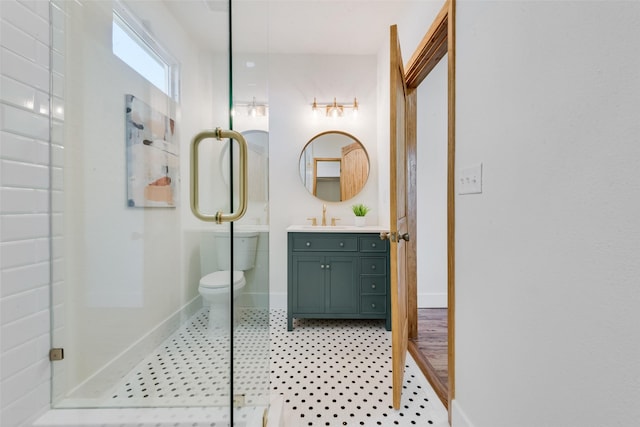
column 458, row 417
column 261, row 300
column 254, row 300
column 432, row 300
column 278, row 300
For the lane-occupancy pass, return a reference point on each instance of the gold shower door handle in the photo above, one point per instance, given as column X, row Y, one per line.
column 219, row 217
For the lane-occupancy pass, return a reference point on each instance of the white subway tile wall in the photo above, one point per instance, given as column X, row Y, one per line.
column 24, row 210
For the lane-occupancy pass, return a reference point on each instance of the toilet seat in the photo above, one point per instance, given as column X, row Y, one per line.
column 220, row 279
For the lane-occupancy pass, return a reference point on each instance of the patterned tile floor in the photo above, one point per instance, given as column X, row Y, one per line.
column 329, row 372
column 191, row 368
column 338, row 373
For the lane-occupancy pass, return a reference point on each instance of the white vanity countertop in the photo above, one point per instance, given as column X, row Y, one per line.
column 337, row 229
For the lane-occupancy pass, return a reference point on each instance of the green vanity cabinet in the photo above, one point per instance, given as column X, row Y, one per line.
column 338, row 276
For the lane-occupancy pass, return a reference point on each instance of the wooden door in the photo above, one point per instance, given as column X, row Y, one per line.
column 398, row 218
column 355, row 170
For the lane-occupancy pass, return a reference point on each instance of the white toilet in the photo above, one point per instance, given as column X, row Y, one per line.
column 214, row 287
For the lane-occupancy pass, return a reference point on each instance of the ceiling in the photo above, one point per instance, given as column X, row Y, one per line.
column 343, row 27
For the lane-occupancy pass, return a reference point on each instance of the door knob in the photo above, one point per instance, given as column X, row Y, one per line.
column 404, row 236
column 388, row 236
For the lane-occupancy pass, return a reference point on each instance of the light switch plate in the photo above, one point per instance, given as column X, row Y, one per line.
column 470, row 180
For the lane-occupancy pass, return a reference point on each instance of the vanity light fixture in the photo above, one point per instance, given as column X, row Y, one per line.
column 334, row 109
column 253, row 108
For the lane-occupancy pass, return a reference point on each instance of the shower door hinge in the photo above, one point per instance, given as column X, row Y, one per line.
column 56, row 354
column 238, row 400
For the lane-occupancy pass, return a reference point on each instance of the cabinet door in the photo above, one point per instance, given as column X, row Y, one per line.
column 309, row 279
column 342, row 284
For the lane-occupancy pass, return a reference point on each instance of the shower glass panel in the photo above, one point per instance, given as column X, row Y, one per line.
column 132, row 83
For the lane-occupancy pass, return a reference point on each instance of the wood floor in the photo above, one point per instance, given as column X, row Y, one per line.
column 430, row 349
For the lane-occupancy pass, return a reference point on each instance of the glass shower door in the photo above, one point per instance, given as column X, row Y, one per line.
column 132, row 83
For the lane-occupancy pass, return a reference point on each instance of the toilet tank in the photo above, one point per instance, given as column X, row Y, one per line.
column 245, row 245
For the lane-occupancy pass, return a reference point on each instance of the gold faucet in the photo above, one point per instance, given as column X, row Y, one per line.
column 324, row 214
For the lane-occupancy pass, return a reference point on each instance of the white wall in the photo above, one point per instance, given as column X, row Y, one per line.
column 24, row 205
column 432, row 188
column 294, row 80
column 100, row 232
column 547, row 324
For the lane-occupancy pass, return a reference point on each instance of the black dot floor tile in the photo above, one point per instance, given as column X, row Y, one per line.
column 192, row 368
column 338, row 373
column 329, row 372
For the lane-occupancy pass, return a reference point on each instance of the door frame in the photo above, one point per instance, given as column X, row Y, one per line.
column 438, row 41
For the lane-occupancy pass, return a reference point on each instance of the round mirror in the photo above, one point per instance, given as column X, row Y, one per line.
column 334, row 166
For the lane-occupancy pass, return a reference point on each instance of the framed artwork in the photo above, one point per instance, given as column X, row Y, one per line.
column 153, row 159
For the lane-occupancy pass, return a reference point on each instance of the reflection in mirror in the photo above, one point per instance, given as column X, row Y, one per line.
column 258, row 174
column 257, row 164
column 334, row 166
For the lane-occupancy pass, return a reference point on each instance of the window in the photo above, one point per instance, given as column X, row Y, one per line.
column 134, row 45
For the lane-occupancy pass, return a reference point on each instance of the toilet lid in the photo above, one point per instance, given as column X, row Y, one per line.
column 220, row 279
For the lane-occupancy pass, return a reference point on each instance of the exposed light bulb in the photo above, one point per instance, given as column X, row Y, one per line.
column 334, row 111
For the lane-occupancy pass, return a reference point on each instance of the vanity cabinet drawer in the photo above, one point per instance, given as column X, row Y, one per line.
column 372, row 244
column 373, row 285
column 323, row 243
column 373, row 304
column 373, row 265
